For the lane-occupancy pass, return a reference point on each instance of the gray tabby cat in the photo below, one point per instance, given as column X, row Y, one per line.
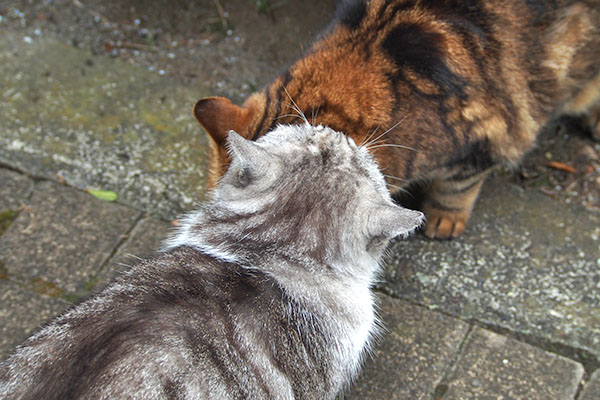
column 263, row 293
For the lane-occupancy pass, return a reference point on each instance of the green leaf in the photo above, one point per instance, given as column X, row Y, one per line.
column 105, row 195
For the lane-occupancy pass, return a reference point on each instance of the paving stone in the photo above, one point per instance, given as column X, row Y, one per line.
column 14, row 189
column 411, row 359
column 21, row 313
column 526, row 263
column 99, row 122
column 62, row 239
column 144, row 241
column 591, row 391
column 493, row 366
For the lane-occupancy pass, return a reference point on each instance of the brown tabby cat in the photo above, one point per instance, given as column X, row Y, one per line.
column 443, row 90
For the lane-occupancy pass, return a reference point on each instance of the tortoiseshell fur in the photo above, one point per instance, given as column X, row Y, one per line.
column 445, row 90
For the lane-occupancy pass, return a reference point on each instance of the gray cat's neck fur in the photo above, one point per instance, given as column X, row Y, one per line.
column 292, row 224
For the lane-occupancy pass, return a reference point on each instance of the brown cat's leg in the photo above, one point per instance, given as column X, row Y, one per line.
column 587, row 104
column 448, row 205
column 592, row 121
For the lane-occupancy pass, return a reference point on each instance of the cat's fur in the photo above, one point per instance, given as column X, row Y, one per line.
column 264, row 292
column 454, row 87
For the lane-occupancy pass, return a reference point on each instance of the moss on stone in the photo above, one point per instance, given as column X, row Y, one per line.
column 41, row 286
column 90, row 284
column 3, row 271
column 114, row 125
column 6, row 219
column 71, row 297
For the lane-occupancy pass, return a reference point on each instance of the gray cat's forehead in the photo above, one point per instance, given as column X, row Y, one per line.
column 294, row 142
column 300, row 133
column 308, row 139
column 288, row 137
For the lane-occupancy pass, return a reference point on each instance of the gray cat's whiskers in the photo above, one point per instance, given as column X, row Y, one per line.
column 383, row 134
column 398, row 188
column 372, row 144
column 391, row 145
column 315, row 115
column 366, row 139
column 395, row 178
column 295, row 107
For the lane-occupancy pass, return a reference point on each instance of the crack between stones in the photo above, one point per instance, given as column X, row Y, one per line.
column 123, row 241
column 444, row 384
column 587, row 359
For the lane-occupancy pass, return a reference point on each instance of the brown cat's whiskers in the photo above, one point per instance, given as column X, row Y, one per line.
column 292, row 115
column 299, row 114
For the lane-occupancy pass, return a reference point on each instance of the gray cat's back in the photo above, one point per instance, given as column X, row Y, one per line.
column 177, row 319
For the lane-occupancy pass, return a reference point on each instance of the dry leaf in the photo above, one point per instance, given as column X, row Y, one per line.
column 561, row 167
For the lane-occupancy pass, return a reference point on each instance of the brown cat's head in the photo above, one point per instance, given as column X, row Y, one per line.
column 333, row 97
column 333, row 84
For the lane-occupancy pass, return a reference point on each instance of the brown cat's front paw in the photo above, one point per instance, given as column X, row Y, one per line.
column 593, row 121
column 448, row 204
column 444, row 224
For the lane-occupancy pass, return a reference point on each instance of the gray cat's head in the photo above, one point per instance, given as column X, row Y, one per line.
column 314, row 188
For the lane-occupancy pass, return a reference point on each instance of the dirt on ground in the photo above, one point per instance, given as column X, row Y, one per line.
column 234, row 47
column 565, row 165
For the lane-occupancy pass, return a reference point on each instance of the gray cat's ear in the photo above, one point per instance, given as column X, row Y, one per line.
column 244, row 150
column 389, row 221
column 248, row 157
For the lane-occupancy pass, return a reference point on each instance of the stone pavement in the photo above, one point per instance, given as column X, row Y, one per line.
column 511, row 310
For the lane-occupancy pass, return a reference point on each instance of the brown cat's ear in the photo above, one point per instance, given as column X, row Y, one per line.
column 219, row 115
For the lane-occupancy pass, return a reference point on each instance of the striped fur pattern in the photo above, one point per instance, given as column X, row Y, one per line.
column 263, row 293
column 445, row 89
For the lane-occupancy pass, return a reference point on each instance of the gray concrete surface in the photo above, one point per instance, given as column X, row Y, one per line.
column 62, row 238
column 100, row 123
column 22, row 312
column 495, row 366
column 14, row 190
column 527, row 264
column 509, row 310
column 410, row 359
column 592, row 389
